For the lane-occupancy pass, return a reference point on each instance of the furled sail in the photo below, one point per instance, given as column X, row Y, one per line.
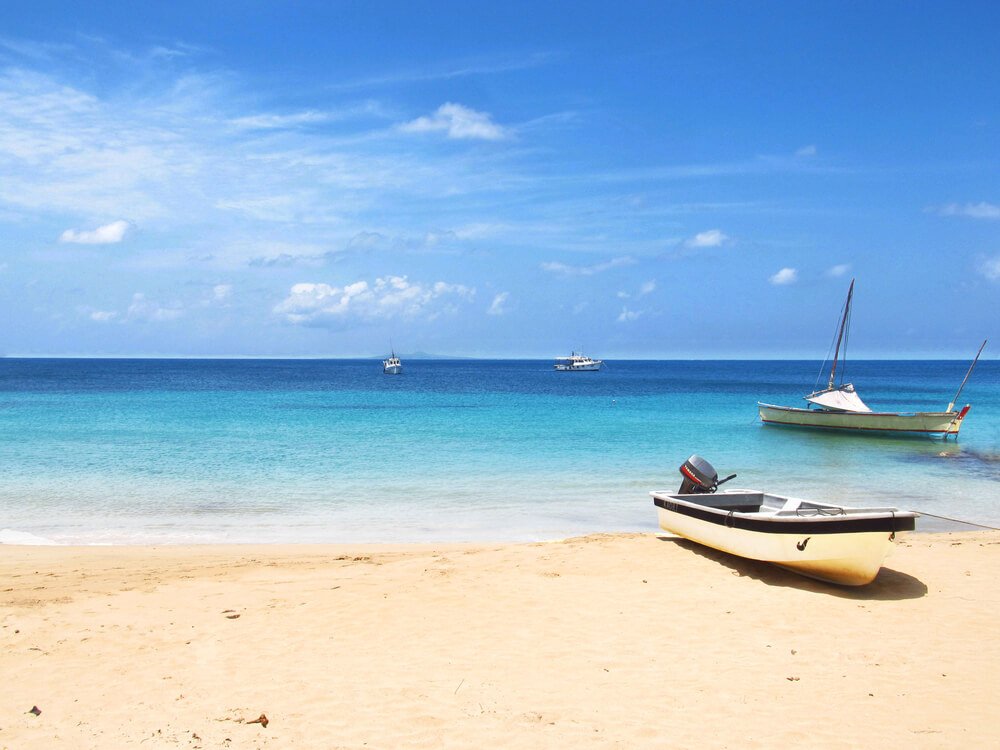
column 838, row 399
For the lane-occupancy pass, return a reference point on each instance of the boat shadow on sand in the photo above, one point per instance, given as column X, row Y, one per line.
column 889, row 585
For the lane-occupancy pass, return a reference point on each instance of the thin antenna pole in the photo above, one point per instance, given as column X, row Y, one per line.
column 840, row 336
column 971, row 367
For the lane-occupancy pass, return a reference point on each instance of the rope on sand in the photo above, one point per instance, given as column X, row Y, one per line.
column 959, row 520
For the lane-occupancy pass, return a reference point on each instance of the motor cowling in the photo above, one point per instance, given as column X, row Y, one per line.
column 699, row 477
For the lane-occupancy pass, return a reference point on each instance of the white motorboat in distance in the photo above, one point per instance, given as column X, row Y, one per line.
column 392, row 365
column 832, row 543
column 839, row 407
column 578, row 363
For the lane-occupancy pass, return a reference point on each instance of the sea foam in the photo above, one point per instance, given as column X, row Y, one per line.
column 10, row 536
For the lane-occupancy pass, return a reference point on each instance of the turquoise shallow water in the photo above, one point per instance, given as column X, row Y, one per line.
column 173, row 451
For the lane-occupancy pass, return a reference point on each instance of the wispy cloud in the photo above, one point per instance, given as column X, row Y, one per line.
column 108, row 234
column 627, row 316
column 757, row 166
column 568, row 270
column 222, row 292
column 981, row 210
column 289, row 120
column 183, row 148
column 784, row 277
column 273, row 121
column 448, row 71
column 838, row 270
column 43, row 51
column 497, row 307
column 311, row 303
column 708, row 238
column 144, row 310
column 647, row 287
column 459, row 122
column 809, row 150
column 990, row 268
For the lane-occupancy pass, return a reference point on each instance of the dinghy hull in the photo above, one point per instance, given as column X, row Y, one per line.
column 925, row 423
column 846, row 548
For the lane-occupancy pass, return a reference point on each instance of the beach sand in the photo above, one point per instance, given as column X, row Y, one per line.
column 621, row 640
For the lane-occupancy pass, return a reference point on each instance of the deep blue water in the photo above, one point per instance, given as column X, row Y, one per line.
column 98, row 451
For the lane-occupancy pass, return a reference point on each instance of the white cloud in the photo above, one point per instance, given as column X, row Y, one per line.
column 389, row 296
column 282, row 121
column 809, row 150
column 277, row 254
column 981, row 210
column 146, row 310
column 497, row 306
column 645, row 288
column 277, row 208
column 103, row 316
column 627, row 315
column 990, row 268
column 108, row 234
column 167, row 151
column 458, row 122
column 785, row 276
column 838, row 270
column 709, row 238
column 275, row 121
column 567, row 270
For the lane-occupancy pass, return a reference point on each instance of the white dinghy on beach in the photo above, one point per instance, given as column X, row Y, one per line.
column 831, row 543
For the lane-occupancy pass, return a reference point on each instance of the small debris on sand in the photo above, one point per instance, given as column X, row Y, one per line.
column 262, row 720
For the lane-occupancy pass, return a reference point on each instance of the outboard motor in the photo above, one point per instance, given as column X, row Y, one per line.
column 700, row 477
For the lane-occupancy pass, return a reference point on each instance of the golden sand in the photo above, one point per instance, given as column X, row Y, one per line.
column 603, row 641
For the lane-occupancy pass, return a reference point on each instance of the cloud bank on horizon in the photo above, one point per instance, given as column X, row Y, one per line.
column 514, row 195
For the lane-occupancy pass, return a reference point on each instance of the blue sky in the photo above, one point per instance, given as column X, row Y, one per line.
column 633, row 179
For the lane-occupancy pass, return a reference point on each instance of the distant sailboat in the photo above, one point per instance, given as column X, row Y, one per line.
column 840, row 407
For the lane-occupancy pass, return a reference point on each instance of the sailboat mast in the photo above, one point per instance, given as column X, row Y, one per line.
column 971, row 367
column 840, row 336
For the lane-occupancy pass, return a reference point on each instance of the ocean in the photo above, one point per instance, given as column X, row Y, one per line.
column 133, row 451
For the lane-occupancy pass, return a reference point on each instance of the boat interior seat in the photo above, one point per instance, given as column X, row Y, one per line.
column 734, row 501
column 791, row 505
column 772, row 504
column 737, row 502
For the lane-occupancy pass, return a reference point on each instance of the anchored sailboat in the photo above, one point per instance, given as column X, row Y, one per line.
column 840, row 407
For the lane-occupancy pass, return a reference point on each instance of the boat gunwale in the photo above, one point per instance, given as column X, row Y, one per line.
column 862, row 414
column 878, row 520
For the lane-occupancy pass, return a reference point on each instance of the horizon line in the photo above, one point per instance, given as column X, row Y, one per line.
column 425, row 357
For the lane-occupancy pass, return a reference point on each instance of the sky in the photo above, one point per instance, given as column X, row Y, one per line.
column 517, row 179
